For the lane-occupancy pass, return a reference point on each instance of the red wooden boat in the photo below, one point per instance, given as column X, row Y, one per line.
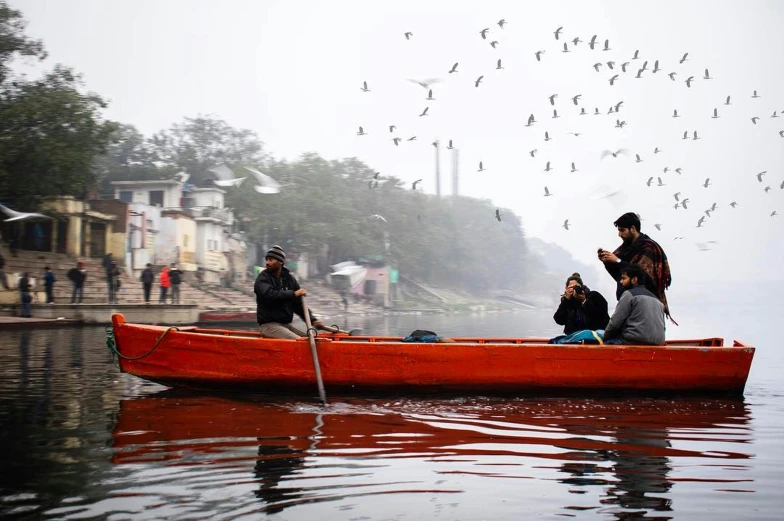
column 199, row 357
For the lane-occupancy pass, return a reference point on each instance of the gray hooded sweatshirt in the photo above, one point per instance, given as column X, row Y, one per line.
column 638, row 318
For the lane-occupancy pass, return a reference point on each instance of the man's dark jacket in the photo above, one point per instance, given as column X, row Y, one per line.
column 275, row 300
column 574, row 316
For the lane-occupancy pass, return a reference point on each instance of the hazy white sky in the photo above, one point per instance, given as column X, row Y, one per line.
column 292, row 72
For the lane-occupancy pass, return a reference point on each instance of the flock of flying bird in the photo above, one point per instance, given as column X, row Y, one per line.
column 617, row 72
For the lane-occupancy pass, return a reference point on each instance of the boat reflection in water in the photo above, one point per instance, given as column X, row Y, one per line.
column 617, row 457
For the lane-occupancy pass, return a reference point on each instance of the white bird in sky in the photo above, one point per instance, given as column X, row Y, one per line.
column 266, row 184
column 14, row 216
column 377, row 217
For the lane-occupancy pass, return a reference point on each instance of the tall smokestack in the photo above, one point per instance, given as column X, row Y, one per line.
column 455, row 175
column 438, row 168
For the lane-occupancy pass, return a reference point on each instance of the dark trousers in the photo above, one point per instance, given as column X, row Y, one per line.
column 162, row 300
column 112, row 291
column 25, row 299
column 175, row 293
column 77, row 290
column 49, row 294
column 147, row 289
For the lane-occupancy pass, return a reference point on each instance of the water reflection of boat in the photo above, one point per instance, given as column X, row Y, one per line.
column 625, row 446
column 243, row 359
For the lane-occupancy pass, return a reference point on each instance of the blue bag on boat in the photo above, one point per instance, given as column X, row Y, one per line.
column 423, row 336
column 584, row 336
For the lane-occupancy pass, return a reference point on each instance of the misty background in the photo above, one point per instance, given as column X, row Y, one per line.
column 292, row 72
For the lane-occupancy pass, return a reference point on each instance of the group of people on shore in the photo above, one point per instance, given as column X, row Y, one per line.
column 639, row 267
column 642, row 274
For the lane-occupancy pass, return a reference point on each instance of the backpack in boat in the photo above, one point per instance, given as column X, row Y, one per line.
column 422, row 336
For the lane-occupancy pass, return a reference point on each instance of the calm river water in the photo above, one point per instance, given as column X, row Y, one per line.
column 82, row 441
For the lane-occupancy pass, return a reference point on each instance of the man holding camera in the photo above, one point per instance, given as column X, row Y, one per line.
column 581, row 308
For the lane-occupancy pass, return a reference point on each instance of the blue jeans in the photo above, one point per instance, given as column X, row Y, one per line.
column 26, row 299
column 80, row 291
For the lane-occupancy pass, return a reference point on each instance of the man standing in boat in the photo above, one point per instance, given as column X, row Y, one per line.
column 639, row 315
column 278, row 297
column 581, row 308
column 638, row 249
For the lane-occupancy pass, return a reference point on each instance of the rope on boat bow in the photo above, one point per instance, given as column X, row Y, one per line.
column 112, row 344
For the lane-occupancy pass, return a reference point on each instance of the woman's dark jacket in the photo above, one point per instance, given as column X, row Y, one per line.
column 275, row 300
column 591, row 314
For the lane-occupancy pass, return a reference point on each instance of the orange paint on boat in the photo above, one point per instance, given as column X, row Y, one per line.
column 215, row 357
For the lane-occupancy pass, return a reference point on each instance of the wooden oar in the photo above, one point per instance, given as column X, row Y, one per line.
column 313, row 352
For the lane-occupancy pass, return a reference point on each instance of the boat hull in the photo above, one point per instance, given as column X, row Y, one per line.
column 213, row 357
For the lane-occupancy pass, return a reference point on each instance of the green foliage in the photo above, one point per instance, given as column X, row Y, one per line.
column 50, row 133
column 204, row 142
column 13, row 41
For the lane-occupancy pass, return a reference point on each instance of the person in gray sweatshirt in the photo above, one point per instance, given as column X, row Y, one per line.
column 639, row 315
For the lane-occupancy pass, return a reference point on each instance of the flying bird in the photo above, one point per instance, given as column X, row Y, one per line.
column 533, row 152
column 531, row 120
column 498, row 66
column 425, row 84
column 700, row 221
column 728, row 100
column 265, row 184
column 689, row 80
column 481, row 167
column 611, row 153
column 478, row 81
column 677, row 196
column 683, row 203
column 408, row 35
column 715, row 114
column 661, row 183
column 547, row 136
column 655, row 67
column 656, row 150
column 639, row 73
column 695, row 138
column 754, row 119
column 679, row 170
column 412, row 138
column 414, row 184
column 672, row 75
column 498, row 215
column 574, row 168
column 657, row 226
column 636, row 55
column 14, row 216
column 773, row 213
column 684, row 58
column 675, row 113
column 392, row 128
column 430, row 95
column 555, row 113
column 483, row 32
column 558, row 32
column 592, row 43
column 707, row 75
column 361, row 132
column 376, row 175
column 547, row 167
column 501, row 23
column 623, row 66
column 454, row 68
column 774, row 115
column 610, row 64
column 706, row 183
column 733, row 204
column 638, row 160
column 552, row 98
column 649, row 181
column 539, row 55
column 576, row 98
column 364, row 87
column 597, row 65
column 449, row 146
column 685, row 134
column 547, row 192
column 607, row 45
column 493, row 44
column 582, row 111
column 376, row 217
column 612, row 80
column 565, row 225
column 396, row 140
column 767, row 189
column 755, row 95
column 424, row 112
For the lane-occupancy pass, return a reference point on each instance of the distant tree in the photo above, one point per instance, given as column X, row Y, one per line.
column 13, row 40
column 130, row 156
column 203, row 142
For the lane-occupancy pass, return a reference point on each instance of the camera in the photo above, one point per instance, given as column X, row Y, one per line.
column 578, row 290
